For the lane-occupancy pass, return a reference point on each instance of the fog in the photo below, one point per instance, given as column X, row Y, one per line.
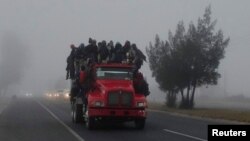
column 48, row 27
column 14, row 61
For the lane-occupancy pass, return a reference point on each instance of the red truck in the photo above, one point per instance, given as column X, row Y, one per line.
column 112, row 96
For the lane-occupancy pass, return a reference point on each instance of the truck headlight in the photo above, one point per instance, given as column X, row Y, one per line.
column 98, row 104
column 141, row 104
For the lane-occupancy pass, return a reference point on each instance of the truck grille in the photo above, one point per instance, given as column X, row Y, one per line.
column 120, row 98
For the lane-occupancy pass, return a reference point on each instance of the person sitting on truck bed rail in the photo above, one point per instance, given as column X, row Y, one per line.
column 111, row 48
column 81, row 51
column 103, row 52
column 139, row 57
column 70, row 63
column 92, row 50
column 140, row 84
column 118, row 53
column 125, row 49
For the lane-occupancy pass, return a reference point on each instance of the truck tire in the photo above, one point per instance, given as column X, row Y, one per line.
column 140, row 123
column 90, row 123
column 77, row 113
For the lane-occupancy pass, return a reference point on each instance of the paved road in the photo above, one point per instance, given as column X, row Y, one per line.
column 32, row 119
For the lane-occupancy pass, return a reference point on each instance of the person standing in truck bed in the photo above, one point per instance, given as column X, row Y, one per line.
column 70, row 63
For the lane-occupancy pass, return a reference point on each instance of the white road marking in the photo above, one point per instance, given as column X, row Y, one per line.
column 185, row 135
column 66, row 126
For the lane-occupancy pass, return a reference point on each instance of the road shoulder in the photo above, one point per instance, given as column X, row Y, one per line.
column 4, row 101
column 200, row 116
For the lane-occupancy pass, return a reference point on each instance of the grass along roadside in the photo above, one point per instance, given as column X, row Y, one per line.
column 4, row 101
column 213, row 113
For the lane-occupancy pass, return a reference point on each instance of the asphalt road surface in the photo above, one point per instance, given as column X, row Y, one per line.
column 40, row 119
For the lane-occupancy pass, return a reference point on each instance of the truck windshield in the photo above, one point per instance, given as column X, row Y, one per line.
column 114, row 73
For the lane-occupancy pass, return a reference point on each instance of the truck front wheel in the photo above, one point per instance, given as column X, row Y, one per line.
column 140, row 123
column 77, row 113
column 90, row 122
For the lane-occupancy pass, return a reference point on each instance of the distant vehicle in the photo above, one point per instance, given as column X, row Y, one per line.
column 52, row 95
column 14, row 96
column 28, row 94
column 66, row 94
column 48, row 95
column 58, row 94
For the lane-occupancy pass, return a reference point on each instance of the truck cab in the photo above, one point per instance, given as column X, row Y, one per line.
column 112, row 96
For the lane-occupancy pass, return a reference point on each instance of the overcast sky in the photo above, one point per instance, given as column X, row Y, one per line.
column 50, row 26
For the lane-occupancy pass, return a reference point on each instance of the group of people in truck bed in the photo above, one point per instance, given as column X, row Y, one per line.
column 83, row 57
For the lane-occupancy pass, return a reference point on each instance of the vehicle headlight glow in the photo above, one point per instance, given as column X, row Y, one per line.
column 141, row 104
column 66, row 95
column 98, row 104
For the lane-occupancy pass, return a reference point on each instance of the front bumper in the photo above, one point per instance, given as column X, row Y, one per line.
column 112, row 112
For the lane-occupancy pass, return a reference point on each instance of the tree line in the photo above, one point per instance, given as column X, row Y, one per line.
column 187, row 59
